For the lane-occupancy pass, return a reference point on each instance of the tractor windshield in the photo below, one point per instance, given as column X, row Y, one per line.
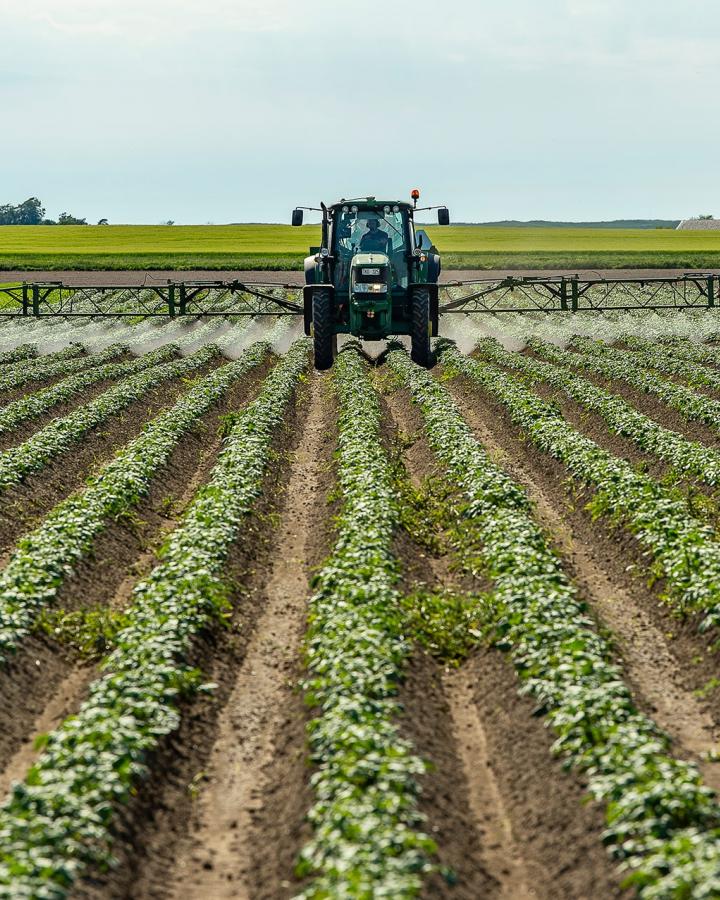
column 370, row 231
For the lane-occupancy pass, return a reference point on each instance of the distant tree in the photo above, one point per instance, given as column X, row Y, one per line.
column 66, row 219
column 102, row 222
column 706, row 217
column 30, row 212
column 168, row 222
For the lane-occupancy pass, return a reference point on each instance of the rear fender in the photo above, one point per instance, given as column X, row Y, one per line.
column 312, row 270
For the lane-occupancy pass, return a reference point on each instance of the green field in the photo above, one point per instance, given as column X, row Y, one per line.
column 283, row 247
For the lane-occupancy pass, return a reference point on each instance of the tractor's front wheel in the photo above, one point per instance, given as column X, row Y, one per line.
column 324, row 338
column 420, row 328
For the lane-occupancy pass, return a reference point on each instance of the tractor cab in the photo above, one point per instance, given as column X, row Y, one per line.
column 372, row 277
column 385, row 231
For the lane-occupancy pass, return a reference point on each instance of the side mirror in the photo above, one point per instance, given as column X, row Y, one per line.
column 443, row 216
column 297, row 217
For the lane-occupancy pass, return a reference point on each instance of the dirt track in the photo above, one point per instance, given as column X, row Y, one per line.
column 134, row 278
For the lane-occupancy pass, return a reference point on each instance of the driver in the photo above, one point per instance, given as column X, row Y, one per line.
column 374, row 240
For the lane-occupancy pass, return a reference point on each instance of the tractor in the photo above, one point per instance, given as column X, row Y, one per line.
column 373, row 276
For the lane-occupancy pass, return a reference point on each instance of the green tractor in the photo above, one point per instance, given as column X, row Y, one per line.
column 373, row 276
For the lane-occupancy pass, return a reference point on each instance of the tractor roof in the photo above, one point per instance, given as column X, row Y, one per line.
column 370, row 203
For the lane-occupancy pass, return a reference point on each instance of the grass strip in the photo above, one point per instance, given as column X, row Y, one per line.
column 45, row 557
column 683, row 549
column 59, row 820
column 685, row 456
column 365, row 818
column 662, row 823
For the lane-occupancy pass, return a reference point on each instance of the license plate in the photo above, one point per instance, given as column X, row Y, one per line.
column 371, row 271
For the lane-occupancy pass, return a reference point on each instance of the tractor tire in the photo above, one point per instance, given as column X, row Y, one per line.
column 420, row 328
column 324, row 339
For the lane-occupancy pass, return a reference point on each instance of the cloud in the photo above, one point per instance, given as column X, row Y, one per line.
column 152, row 19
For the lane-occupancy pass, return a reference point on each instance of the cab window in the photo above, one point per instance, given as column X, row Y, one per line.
column 370, row 231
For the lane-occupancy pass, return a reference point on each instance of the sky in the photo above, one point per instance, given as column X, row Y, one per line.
column 236, row 110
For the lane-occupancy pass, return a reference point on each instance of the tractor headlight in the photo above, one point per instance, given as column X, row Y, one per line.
column 396, row 208
column 324, row 251
column 386, row 209
column 363, row 287
column 346, row 209
column 353, row 209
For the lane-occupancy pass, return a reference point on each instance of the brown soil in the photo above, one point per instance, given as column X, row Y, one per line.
column 129, row 277
column 32, row 386
column 223, row 811
column 555, row 829
column 15, row 436
column 125, row 551
column 473, row 806
column 41, row 669
column 665, row 663
column 662, row 413
column 256, row 776
column 200, row 819
column 25, row 504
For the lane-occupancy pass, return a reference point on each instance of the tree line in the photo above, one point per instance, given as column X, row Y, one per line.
column 32, row 212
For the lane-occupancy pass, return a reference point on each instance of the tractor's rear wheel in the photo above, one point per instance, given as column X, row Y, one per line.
column 420, row 328
column 324, row 338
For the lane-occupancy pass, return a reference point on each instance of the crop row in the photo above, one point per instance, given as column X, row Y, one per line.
column 60, row 434
column 33, row 405
column 688, row 402
column 64, row 362
column 609, row 326
column 365, row 817
column 656, row 359
column 70, row 351
column 24, row 351
column 661, row 821
column 686, row 456
column 44, row 557
column 58, row 821
column 683, row 349
column 683, row 549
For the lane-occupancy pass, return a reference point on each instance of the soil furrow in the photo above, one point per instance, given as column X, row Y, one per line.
column 25, row 504
column 497, row 840
column 62, row 702
column 651, row 406
column 664, row 672
column 125, row 550
column 502, row 853
column 121, row 554
column 31, row 387
column 169, row 835
column 15, row 436
column 252, row 763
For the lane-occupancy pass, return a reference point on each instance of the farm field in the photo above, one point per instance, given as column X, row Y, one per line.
column 283, row 247
column 373, row 632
